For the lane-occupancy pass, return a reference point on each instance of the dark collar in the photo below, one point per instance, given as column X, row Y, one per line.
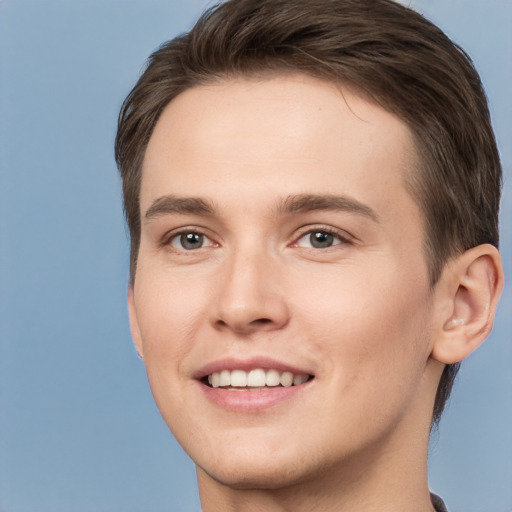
column 438, row 503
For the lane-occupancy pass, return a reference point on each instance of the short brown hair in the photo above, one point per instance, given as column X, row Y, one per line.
column 389, row 52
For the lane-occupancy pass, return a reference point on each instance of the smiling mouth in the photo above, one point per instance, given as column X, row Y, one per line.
column 254, row 380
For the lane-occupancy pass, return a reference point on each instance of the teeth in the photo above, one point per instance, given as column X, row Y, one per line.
column 299, row 379
column 286, row 379
column 238, row 379
column 225, row 378
column 255, row 379
column 273, row 378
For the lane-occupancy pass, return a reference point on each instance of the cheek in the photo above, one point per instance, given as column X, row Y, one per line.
column 369, row 321
column 169, row 314
column 373, row 343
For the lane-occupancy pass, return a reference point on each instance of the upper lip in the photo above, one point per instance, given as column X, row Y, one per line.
column 266, row 363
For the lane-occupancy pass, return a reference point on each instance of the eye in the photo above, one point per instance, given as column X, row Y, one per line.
column 320, row 239
column 189, row 241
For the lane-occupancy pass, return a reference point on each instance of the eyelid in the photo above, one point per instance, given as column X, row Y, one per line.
column 343, row 236
column 173, row 234
column 207, row 242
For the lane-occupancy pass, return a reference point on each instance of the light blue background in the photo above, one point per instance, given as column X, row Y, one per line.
column 79, row 431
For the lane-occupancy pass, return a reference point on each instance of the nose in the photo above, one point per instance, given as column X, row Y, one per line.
column 251, row 294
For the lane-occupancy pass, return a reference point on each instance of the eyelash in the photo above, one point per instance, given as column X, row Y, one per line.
column 175, row 235
column 343, row 239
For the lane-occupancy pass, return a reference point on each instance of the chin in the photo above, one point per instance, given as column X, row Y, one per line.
column 263, row 468
column 258, row 476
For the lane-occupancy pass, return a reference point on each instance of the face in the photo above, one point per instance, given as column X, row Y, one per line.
column 281, row 302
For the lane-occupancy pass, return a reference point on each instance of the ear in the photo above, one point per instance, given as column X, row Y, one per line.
column 134, row 323
column 467, row 295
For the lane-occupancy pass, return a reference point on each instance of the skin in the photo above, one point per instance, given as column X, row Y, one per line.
column 360, row 315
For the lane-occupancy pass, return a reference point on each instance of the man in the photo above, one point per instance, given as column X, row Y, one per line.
column 312, row 191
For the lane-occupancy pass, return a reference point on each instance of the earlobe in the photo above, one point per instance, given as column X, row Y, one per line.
column 134, row 323
column 469, row 290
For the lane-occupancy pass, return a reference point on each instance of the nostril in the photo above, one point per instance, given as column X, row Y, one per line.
column 241, row 326
column 262, row 321
column 247, row 318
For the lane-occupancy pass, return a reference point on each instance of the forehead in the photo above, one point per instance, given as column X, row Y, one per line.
column 281, row 135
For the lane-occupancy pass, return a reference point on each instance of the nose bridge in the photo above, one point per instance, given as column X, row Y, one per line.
column 251, row 295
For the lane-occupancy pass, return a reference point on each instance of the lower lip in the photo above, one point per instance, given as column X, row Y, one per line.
column 252, row 401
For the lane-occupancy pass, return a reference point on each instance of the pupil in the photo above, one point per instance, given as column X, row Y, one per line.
column 321, row 239
column 191, row 240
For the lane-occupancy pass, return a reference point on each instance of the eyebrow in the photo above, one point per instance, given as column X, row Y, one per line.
column 170, row 204
column 303, row 203
column 300, row 203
